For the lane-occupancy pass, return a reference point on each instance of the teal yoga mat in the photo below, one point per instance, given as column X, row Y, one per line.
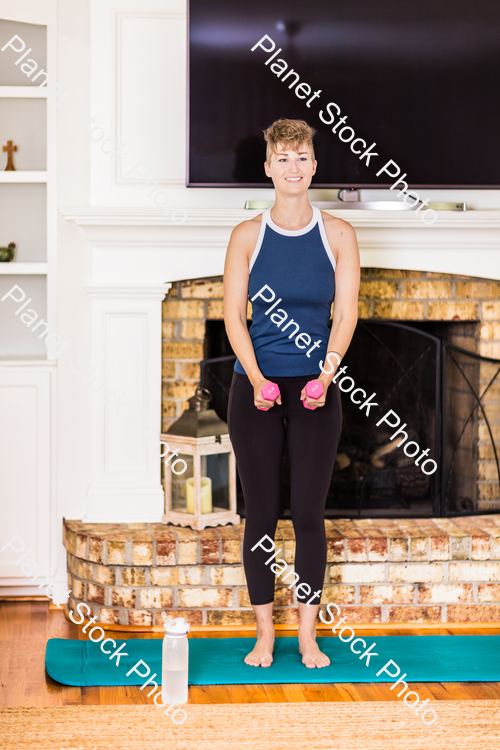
column 219, row 661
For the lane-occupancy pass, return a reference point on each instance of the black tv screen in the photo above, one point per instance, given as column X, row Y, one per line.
column 420, row 80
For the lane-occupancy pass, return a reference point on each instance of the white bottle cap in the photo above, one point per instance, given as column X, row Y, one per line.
column 178, row 626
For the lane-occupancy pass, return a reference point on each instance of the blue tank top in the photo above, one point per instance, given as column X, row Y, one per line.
column 291, row 288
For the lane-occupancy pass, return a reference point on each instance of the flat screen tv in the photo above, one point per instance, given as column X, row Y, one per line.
column 420, row 80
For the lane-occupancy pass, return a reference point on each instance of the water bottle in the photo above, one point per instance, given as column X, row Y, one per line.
column 175, row 660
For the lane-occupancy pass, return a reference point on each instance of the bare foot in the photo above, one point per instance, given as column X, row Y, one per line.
column 262, row 654
column 311, row 655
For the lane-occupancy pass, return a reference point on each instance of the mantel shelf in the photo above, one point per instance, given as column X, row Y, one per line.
column 129, row 216
column 23, row 92
column 132, row 243
column 15, row 268
column 23, row 176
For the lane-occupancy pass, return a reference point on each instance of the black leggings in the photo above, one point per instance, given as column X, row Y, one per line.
column 258, row 439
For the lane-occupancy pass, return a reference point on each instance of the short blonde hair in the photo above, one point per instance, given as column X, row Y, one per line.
column 290, row 134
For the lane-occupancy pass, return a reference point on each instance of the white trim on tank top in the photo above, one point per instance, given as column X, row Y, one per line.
column 316, row 219
column 259, row 239
column 326, row 244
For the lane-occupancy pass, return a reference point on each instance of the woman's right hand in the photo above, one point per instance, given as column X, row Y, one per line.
column 259, row 401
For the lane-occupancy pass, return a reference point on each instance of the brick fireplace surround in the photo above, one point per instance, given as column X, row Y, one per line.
column 402, row 571
column 384, row 295
column 379, row 571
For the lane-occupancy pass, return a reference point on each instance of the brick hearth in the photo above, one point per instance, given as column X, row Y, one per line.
column 415, row 570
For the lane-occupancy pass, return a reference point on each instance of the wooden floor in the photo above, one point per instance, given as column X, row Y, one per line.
column 25, row 628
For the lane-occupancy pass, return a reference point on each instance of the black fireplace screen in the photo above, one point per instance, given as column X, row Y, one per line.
column 427, row 448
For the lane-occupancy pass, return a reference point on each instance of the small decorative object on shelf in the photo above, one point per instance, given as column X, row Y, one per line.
column 9, row 148
column 7, row 253
column 200, row 485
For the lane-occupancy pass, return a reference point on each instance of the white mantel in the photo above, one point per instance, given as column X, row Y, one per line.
column 142, row 245
column 127, row 63
column 135, row 253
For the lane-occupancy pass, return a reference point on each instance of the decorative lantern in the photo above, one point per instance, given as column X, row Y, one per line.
column 200, row 484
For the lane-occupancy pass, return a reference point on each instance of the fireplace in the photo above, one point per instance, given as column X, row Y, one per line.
column 428, row 392
column 422, row 347
column 127, row 566
column 427, row 344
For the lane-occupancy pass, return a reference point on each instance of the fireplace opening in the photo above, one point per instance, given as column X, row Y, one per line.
column 427, row 375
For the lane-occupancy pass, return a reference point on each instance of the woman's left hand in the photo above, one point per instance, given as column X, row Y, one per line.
column 314, row 403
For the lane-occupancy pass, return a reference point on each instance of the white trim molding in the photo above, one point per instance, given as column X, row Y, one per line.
column 125, row 414
column 125, row 291
column 122, row 52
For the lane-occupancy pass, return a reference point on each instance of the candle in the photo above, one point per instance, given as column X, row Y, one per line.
column 206, row 495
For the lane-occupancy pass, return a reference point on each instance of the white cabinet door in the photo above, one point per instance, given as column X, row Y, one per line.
column 24, row 475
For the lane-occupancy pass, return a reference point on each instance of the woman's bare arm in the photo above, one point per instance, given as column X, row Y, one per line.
column 236, row 276
column 347, row 275
column 342, row 240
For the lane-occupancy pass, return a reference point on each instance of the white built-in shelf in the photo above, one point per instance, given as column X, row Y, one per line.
column 15, row 268
column 23, row 176
column 23, row 92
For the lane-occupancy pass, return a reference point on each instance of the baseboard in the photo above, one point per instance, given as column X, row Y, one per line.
column 365, row 627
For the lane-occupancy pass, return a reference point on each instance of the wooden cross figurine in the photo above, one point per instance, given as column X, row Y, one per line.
column 10, row 149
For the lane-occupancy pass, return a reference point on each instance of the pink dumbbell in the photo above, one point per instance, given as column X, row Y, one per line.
column 270, row 392
column 314, row 389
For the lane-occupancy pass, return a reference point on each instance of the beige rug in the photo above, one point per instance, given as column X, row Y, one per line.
column 462, row 725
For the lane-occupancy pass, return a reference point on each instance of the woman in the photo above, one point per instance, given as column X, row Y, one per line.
column 291, row 261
